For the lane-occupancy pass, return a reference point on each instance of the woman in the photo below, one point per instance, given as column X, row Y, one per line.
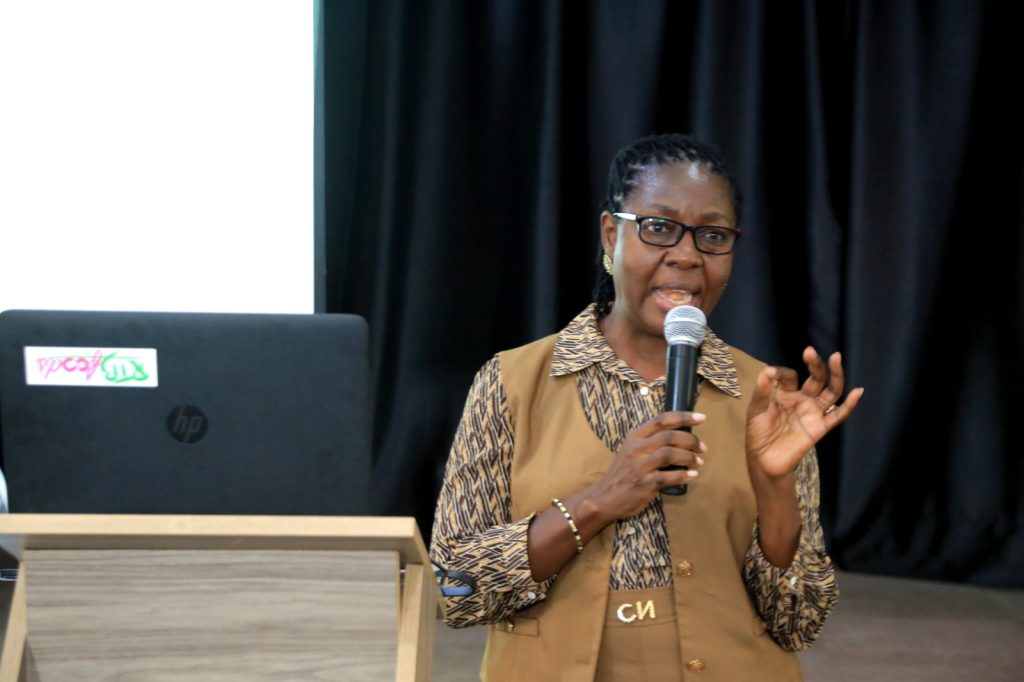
column 552, row 500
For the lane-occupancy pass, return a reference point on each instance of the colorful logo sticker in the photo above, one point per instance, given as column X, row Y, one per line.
column 117, row 367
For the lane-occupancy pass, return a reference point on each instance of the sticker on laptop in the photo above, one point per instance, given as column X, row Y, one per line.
column 118, row 367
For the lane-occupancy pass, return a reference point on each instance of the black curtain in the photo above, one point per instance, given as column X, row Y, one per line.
column 880, row 150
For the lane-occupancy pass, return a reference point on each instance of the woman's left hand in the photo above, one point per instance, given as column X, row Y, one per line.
column 785, row 420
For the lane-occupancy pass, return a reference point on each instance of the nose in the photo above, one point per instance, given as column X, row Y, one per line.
column 685, row 253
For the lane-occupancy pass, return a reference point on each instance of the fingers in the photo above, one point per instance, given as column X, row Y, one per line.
column 786, row 379
column 834, row 418
column 761, row 398
column 825, row 383
column 643, row 467
column 684, row 440
column 669, row 456
column 819, row 377
column 836, row 377
column 668, row 421
column 662, row 479
column 667, row 445
column 667, row 467
column 667, row 448
column 825, row 386
column 769, row 380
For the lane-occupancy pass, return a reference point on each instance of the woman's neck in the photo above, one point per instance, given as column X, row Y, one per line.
column 644, row 353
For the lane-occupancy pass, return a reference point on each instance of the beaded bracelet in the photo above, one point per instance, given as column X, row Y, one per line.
column 572, row 524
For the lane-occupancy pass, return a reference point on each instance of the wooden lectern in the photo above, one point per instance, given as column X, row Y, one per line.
column 248, row 598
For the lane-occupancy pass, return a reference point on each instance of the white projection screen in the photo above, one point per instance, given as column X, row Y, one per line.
column 157, row 155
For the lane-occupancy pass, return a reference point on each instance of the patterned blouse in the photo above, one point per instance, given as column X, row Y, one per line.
column 474, row 531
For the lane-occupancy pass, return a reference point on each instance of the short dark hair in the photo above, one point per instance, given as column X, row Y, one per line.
column 630, row 161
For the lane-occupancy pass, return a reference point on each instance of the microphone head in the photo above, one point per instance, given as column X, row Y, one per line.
column 685, row 324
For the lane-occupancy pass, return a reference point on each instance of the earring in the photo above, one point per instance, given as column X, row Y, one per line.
column 607, row 262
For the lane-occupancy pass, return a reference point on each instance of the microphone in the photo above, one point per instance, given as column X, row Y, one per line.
column 684, row 332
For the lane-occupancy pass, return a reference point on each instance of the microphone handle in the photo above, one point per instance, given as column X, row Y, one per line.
column 680, row 392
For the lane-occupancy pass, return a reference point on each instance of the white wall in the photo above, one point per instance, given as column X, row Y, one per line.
column 156, row 155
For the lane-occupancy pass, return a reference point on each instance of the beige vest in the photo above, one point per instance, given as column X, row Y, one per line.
column 556, row 454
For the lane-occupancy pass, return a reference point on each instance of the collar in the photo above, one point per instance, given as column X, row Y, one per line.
column 582, row 344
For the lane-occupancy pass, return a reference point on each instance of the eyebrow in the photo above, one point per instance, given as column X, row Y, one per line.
column 711, row 215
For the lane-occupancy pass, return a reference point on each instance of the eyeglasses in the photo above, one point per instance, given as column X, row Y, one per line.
column 664, row 232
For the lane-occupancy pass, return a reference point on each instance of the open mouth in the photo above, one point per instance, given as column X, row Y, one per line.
column 674, row 297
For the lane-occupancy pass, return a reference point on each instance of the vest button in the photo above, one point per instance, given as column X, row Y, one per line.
column 684, row 568
column 644, row 390
column 695, row 666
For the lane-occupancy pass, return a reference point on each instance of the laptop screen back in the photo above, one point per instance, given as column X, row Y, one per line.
column 185, row 413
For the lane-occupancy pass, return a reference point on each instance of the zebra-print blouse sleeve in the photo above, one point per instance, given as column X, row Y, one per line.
column 473, row 532
column 794, row 602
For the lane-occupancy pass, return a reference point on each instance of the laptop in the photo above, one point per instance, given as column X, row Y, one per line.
column 185, row 413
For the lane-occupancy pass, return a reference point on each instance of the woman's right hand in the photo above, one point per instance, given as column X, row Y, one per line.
column 635, row 476
column 631, row 482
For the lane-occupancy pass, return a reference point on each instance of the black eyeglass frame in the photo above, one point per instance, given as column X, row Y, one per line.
column 685, row 228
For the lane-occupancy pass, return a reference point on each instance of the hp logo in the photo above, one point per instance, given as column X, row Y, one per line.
column 187, row 424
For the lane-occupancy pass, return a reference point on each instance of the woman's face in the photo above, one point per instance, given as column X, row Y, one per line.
column 651, row 280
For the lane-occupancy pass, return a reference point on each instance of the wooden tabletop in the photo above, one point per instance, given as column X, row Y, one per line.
column 19, row 532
